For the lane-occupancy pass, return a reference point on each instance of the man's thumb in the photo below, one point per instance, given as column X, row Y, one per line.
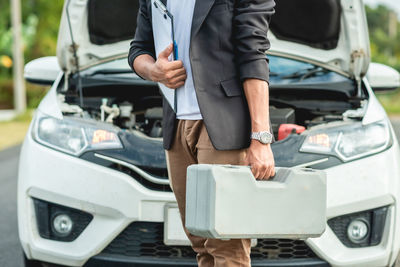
column 167, row 51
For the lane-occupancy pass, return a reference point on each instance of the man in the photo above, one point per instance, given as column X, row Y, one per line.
column 221, row 79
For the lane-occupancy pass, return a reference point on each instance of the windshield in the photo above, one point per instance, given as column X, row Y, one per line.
column 288, row 71
column 282, row 71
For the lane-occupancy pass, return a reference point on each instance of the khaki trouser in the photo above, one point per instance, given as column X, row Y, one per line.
column 193, row 146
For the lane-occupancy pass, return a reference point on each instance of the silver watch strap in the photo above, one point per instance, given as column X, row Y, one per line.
column 257, row 135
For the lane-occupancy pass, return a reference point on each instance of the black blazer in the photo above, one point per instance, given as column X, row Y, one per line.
column 228, row 45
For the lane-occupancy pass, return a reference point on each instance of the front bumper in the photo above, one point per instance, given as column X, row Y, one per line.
column 113, row 198
column 121, row 261
column 116, row 200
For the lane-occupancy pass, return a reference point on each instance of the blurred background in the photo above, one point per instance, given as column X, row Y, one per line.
column 40, row 21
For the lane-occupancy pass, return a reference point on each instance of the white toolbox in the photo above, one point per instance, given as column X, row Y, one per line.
column 225, row 201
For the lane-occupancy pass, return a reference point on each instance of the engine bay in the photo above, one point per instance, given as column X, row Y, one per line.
column 139, row 108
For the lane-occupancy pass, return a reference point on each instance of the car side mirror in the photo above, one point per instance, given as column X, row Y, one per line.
column 43, row 71
column 382, row 77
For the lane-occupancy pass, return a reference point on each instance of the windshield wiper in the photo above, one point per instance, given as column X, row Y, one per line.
column 305, row 73
column 110, row 71
column 273, row 74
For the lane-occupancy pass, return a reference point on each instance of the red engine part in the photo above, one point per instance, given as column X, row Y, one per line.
column 286, row 129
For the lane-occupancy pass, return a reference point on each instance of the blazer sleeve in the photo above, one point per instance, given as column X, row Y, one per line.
column 143, row 42
column 251, row 24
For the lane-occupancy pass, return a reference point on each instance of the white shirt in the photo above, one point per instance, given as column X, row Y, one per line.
column 182, row 11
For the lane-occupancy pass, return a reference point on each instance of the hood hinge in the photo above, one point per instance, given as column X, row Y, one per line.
column 356, row 65
column 74, row 49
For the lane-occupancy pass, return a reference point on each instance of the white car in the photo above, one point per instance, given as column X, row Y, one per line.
column 92, row 182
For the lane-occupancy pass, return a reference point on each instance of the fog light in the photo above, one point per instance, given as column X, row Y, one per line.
column 357, row 231
column 360, row 229
column 62, row 224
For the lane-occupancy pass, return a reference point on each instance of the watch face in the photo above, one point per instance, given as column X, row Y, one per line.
column 265, row 138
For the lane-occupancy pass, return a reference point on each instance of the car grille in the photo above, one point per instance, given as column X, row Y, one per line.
column 142, row 180
column 145, row 239
column 281, row 249
column 159, row 173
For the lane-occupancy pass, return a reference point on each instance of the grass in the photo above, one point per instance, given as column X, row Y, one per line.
column 13, row 132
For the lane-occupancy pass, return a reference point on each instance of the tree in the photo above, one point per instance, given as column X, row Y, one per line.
column 384, row 45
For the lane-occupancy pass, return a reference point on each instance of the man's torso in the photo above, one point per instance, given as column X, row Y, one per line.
column 182, row 11
column 227, row 45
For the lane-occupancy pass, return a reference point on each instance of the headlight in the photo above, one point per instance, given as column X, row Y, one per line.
column 74, row 135
column 349, row 142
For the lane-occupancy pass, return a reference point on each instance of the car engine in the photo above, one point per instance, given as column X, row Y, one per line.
column 139, row 108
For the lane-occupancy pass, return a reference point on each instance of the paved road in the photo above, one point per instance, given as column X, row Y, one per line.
column 10, row 252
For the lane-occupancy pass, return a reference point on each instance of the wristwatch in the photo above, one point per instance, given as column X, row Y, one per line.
column 262, row 137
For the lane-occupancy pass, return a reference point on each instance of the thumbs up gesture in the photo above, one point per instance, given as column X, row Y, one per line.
column 170, row 73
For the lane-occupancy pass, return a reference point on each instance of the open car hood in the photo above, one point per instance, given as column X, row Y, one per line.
column 329, row 33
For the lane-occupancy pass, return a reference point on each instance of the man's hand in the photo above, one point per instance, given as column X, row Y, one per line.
column 259, row 156
column 170, row 73
column 261, row 160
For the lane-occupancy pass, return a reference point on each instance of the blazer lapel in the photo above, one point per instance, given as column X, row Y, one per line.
column 201, row 9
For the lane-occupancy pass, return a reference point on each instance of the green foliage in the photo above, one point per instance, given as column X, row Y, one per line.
column 390, row 101
column 34, row 94
column 48, row 13
column 28, row 34
column 40, row 22
column 384, row 48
